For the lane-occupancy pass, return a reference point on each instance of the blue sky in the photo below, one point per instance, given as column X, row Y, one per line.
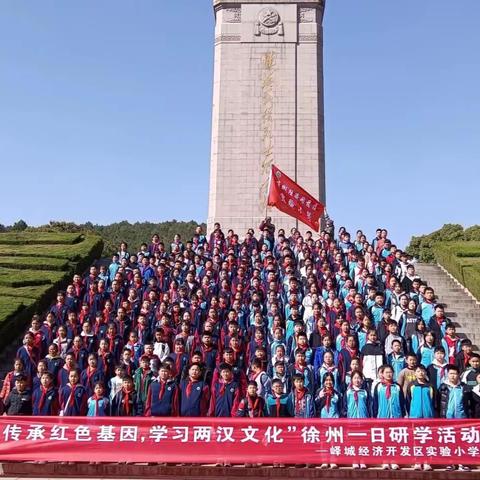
column 105, row 112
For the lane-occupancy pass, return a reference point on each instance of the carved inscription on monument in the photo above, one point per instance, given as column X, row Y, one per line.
column 268, row 77
column 307, row 15
column 232, row 15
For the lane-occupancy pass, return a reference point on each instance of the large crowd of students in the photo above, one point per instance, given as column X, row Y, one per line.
column 279, row 325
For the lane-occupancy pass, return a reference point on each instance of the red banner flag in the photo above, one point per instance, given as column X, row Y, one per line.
column 292, row 199
column 240, row 440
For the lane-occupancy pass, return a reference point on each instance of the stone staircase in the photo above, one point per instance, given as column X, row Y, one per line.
column 460, row 306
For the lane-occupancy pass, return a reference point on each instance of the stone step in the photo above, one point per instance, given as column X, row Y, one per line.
column 460, row 307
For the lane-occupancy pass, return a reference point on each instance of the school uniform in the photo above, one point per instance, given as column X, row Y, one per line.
column 89, row 377
column 357, row 403
column 30, row 357
column 420, row 400
column 437, row 374
column 98, row 406
column 162, row 399
column 279, row 406
column 398, row 363
column 224, row 399
column 388, row 401
column 302, row 404
column 54, row 365
column 251, row 407
column 193, row 398
column 126, row 404
column 452, row 402
column 328, row 405
column 81, row 356
column 73, row 400
column 307, row 373
column 45, row 402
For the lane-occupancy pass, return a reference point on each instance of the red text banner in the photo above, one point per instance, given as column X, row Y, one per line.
column 292, row 199
column 238, row 440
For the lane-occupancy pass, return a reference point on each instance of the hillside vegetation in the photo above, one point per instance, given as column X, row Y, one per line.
column 33, row 267
column 456, row 249
column 112, row 235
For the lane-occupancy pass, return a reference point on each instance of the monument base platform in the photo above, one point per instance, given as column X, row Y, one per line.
column 200, row 472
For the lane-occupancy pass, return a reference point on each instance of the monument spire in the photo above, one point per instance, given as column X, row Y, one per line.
column 267, row 106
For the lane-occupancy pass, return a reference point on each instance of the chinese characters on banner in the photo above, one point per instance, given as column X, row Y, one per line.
column 293, row 200
column 239, row 440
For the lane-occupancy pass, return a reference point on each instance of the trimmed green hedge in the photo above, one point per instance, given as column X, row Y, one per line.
column 36, row 263
column 34, row 292
column 40, row 271
column 39, row 238
column 10, row 277
column 462, row 260
column 73, row 252
column 10, row 306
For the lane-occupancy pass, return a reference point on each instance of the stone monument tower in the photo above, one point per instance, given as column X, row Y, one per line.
column 267, row 107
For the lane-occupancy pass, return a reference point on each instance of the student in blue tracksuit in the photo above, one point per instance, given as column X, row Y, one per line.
column 396, row 359
column 452, row 401
column 357, row 403
column 388, row 401
column 277, row 403
column 437, row 371
column 328, row 404
column 302, row 399
column 420, row 396
column 98, row 405
column 327, row 399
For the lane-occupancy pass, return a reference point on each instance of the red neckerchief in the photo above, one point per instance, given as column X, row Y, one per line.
column 110, row 342
column 96, row 398
column 188, row 390
column 323, row 331
column 278, row 404
column 355, row 393
column 29, row 351
column 351, row 351
column 127, row 396
column 328, row 395
column 162, row 389
column 106, row 314
column 103, row 355
column 300, row 368
column 299, row 396
column 388, row 387
column 251, row 404
column 90, row 373
column 223, row 387
column 178, row 362
column 41, row 403
column 71, row 398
